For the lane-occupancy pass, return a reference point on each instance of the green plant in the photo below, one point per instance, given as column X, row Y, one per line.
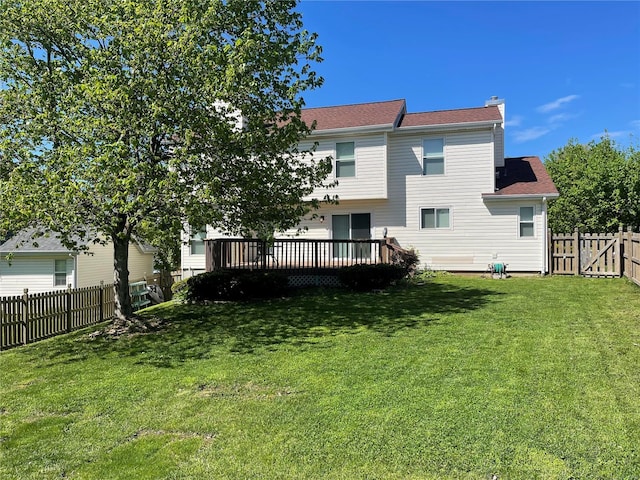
column 365, row 277
column 227, row 285
column 407, row 259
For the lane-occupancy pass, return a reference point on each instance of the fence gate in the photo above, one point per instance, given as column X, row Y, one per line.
column 589, row 254
column 600, row 255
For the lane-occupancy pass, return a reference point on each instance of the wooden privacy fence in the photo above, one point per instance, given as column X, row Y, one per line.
column 31, row 317
column 595, row 254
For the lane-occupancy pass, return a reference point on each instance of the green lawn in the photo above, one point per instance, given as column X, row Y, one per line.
column 457, row 378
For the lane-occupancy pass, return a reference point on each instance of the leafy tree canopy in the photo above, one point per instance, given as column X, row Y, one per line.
column 599, row 185
column 121, row 119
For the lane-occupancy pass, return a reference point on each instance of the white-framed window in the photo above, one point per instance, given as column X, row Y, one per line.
column 197, row 241
column 435, row 218
column 60, row 273
column 527, row 226
column 433, row 156
column 345, row 159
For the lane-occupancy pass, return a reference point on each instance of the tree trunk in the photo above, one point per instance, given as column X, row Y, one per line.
column 123, row 309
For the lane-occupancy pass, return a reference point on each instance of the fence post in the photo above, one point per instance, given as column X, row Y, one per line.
column 550, row 250
column 576, row 251
column 101, row 295
column 627, row 251
column 620, row 260
column 25, row 316
column 68, row 295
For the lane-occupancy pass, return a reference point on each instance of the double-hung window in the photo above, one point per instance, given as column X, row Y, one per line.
column 433, row 156
column 60, row 273
column 435, row 218
column 527, row 228
column 197, row 241
column 345, row 159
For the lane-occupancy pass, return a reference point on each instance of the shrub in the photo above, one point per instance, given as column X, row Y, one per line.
column 365, row 277
column 227, row 285
column 179, row 289
column 407, row 259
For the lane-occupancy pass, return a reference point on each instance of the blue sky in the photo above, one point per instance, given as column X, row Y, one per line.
column 565, row 69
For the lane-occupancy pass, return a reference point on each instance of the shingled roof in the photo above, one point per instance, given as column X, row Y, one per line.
column 357, row 115
column 523, row 176
column 447, row 117
column 392, row 114
column 23, row 242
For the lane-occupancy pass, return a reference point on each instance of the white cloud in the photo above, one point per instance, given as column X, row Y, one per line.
column 530, row 134
column 618, row 134
column 514, row 121
column 628, row 85
column 561, row 117
column 636, row 124
column 549, row 107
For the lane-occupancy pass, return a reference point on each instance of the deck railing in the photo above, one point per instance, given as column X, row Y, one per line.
column 293, row 255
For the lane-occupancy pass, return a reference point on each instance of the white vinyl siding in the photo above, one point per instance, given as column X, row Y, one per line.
column 370, row 168
column 35, row 273
column 98, row 267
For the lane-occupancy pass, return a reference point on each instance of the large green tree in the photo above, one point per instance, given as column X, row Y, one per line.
column 599, row 185
column 120, row 119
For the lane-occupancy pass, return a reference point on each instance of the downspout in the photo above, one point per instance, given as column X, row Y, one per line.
column 75, row 270
column 545, row 248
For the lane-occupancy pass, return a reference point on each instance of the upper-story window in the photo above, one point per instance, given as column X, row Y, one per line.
column 433, row 156
column 345, row 159
column 526, row 222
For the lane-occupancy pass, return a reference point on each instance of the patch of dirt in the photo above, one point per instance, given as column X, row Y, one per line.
column 249, row 390
column 178, row 434
column 135, row 325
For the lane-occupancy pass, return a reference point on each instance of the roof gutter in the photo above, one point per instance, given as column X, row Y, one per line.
column 522, row 196
column 389, row 127
column 449, row 126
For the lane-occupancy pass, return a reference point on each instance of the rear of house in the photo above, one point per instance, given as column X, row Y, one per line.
column 437, row 182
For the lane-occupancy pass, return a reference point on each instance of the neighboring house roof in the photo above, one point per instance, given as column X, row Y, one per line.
column 385, row 114
column 22, row 243
column 448, row 117
column 522, row 177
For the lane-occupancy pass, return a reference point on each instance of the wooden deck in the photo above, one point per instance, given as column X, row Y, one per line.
column 294, row 255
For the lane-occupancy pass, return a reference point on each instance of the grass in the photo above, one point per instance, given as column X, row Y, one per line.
column 457, row 378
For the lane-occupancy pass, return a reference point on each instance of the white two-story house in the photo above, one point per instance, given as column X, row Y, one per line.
column 437, row 182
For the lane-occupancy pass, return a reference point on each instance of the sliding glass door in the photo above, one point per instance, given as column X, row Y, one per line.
column 356, row 226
